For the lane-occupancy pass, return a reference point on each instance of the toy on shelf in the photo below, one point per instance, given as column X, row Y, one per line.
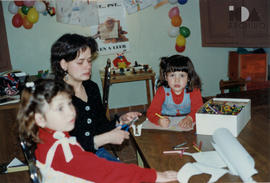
column 120, row 61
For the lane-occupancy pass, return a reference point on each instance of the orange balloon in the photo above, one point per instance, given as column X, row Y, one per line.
column 26, row 23
column 176, row 21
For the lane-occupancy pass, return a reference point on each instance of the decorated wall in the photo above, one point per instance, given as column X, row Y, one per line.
column 150, row 38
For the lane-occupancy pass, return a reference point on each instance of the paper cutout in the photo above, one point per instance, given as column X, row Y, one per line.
column 137, row 130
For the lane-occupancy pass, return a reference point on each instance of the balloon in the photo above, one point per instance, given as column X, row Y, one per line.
column 32, row 15
column 173, row 1
column 184, row 31
column 40, row 6
column 28, row 3
column 17, row 20
column 173, row 12
column 21, row 13
column 176, row 21
column 18, row 3
column 180, row 48
column 182, row 1
column 180, row 40
column 12, row 7
column 26, row 23
column 25, row 10
column 173, row 31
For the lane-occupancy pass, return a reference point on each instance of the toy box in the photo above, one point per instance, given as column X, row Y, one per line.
column 230, row 113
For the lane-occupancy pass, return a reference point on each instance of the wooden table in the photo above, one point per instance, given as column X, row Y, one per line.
column 10, row 145
column 130, row 77
column 255, row 138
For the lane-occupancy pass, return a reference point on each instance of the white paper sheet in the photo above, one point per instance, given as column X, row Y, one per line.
column 173, row 125
column 229, row 153
column 234, row 154
column 190, row 169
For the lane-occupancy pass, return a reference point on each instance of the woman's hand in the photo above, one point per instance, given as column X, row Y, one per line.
column 164, row 122
column 128, row 117
column 186, row 123
column 166, row 176
column 115, row 136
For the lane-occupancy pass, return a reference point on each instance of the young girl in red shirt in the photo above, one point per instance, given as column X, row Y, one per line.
column 46, row 115
column 178, row 92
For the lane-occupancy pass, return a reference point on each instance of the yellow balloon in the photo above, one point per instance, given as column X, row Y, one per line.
column 180, row 40
column 32, row 15
column 21, row 13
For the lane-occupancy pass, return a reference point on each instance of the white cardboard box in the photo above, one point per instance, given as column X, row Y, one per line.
column 206, row 124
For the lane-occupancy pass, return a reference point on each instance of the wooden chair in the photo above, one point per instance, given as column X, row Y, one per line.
column 105, row 99
column 232, row 85
column 30, row 160
column 106, row 87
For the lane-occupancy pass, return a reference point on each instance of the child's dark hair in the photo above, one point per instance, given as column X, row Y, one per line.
column 178, row 63
column 34, row 96
column 68, row 47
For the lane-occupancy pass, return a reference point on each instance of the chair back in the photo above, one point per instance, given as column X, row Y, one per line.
column 31, row 160
column 233, row 85
column 106, row 84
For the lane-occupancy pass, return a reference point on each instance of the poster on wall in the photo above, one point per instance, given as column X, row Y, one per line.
column 133, row 6
column 111, row 32
column 83, row 13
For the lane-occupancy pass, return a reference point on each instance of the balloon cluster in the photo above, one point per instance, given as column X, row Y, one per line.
column 176, row 30
column 26, row 13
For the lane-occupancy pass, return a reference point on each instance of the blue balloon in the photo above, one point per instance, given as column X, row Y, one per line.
column 182, row 1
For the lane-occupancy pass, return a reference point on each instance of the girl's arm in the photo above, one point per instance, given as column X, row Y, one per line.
column 196, row 103
column 156, row 106
column 88, row 166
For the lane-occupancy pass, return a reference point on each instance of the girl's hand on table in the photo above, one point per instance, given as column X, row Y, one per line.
column 166, row 176
column 186, row 122
column 164, row 122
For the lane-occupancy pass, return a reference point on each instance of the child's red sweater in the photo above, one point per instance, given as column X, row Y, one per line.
column 159, row 98
column 87, row 165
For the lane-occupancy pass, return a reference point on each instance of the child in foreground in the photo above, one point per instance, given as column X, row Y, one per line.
column 46, row 115
column 178, row 92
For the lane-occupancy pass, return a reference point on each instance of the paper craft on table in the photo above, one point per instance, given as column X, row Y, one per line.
column 229, row 153
column 173, row 125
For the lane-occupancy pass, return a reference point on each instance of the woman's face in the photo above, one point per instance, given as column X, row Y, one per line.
column 177, row 81
column 79, row 69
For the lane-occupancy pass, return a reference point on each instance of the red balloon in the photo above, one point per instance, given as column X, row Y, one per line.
column 18, row 3
column 17, row 20
column 180, row 48
column 26, row 23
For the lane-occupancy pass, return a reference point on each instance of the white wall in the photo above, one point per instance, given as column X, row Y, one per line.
column 30, row 49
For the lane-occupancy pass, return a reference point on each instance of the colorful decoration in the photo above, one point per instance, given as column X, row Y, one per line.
column 176, row 30
column 120, row 61
column 26, row 12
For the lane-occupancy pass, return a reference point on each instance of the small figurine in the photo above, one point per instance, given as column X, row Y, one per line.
column 120, row 61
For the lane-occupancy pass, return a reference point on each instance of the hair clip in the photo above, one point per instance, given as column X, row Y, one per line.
column 30, row 85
